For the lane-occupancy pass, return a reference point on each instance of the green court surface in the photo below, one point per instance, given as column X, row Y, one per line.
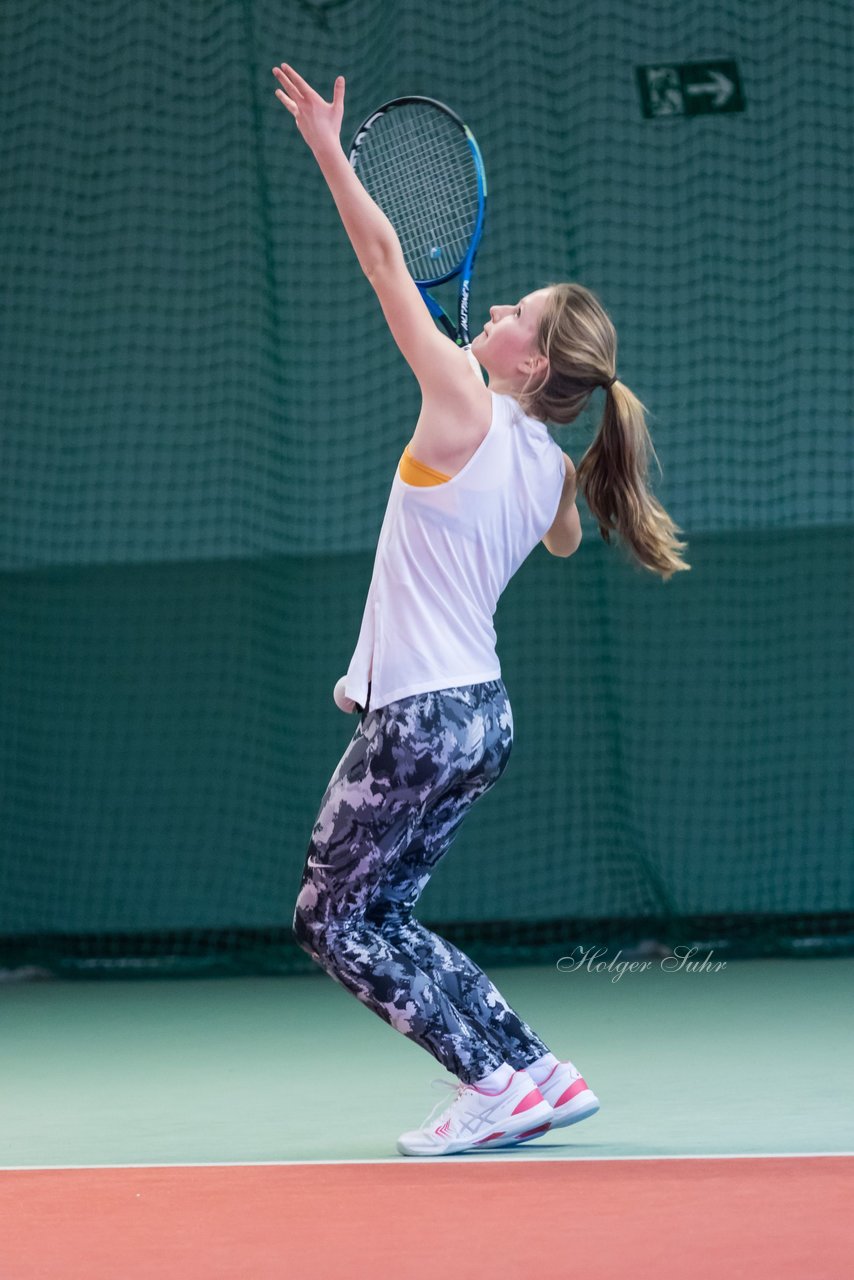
column 753, row 1059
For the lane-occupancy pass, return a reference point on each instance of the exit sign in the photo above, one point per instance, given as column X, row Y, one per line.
column 690, row 89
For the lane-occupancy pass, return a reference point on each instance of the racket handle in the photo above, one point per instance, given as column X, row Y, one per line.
column 474, row 362
column 438, row 314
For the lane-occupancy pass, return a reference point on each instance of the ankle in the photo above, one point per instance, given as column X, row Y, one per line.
column 496, row 1080
column 542, row 1067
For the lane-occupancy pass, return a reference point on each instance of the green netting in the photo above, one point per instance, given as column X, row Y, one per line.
column 203, row 409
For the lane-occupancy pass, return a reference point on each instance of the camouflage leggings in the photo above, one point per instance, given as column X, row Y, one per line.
column 410, row 774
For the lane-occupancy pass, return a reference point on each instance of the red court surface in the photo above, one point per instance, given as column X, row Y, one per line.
column 774, row 1218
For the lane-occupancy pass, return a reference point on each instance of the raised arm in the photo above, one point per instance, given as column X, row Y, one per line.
column 441, row 367
column 371, row 234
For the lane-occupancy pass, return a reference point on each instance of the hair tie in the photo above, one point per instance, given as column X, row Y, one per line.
column 608, row 385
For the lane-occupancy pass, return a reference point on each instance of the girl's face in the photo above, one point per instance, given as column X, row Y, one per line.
column 506, row 348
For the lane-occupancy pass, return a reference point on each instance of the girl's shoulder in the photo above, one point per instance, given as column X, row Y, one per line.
column 450, row 431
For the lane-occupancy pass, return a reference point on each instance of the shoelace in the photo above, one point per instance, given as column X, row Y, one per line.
column 458, row 1087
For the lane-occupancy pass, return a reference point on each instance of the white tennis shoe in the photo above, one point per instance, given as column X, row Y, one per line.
column 570, row 1097
column 475, row 1118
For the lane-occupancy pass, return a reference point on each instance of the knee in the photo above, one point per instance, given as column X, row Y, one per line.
column 306, row 922
column 320, row 930
column 390, row 916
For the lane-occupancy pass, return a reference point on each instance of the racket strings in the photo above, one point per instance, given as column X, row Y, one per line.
column 418, row 166
column 433, row 224
column 436, row 206
column 438, row 194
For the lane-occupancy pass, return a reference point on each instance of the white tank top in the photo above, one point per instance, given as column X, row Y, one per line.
column 444, row 556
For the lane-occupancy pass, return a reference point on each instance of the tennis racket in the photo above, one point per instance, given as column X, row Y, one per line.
column 421, row 164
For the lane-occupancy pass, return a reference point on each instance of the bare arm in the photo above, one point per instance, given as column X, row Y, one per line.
column 441, row 367
column 372, row 236
column 564, row 536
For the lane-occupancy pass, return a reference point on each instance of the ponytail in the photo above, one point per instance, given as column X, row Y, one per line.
column 612, row 476
column 578, row 337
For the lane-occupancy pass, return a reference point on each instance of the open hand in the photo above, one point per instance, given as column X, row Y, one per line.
column 318, row 121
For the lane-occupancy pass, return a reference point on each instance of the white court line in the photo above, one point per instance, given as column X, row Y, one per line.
column 408, row 1160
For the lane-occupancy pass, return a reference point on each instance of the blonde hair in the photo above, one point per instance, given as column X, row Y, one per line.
column 579, row 339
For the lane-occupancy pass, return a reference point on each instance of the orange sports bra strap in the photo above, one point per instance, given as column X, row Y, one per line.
column 418, row 473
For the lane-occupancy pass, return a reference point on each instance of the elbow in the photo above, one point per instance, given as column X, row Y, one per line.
column 384, row 256
column 565, row 549
column 564, row 537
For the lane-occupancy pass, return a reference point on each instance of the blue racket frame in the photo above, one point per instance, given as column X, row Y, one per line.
column 459, row 333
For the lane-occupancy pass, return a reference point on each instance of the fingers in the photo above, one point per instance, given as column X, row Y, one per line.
column 290, row 105
column 288, row 84
column 301, row 94
column 302, row 87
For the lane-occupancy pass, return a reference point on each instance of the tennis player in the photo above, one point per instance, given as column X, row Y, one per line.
column 480, row 484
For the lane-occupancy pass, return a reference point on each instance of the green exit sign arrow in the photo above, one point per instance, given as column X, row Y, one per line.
column 690, row 89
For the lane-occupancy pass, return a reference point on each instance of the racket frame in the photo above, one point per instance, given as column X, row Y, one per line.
column 458, row 333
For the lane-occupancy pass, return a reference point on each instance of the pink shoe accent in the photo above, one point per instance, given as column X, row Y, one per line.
column 499, row 1133
column 541, row 1128
column 531, row 1099
column 444, row 1129
column 577, row 1086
